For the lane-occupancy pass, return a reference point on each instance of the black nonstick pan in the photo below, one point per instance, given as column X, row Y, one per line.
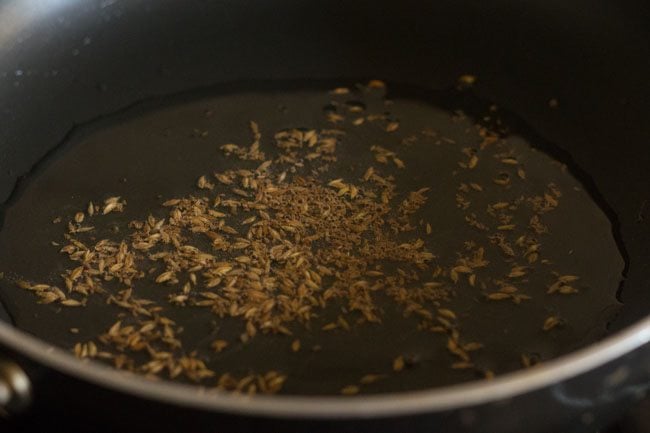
column 116, row 82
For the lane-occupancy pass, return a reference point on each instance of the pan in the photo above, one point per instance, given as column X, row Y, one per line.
column 137, row 98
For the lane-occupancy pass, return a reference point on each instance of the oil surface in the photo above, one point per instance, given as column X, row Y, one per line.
column 157, row 149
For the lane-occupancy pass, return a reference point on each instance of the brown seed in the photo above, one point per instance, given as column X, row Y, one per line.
column 113, row 204
column 340, row 91
column 371, row 378
column 551, row 322
column 503, row 179
column 392, row 126
column 376, row 84
column 398, row 363
column 204, row 183
column 466, row 80
column 508, row 289
column 518, row 298
column 470, row 347
column 249, row 220
column 350, row 390
column 567, row 290
column 71, row 303
column 219, row 345
column 164, row 277
column 498, row 296
column 462, row 269
column 521, row 173
column 517, row 271
column 447, row 313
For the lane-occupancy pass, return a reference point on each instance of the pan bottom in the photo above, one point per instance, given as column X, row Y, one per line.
column 524, row 256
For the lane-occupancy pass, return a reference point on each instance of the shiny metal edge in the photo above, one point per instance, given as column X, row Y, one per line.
column 17, row 386
column 394, row 404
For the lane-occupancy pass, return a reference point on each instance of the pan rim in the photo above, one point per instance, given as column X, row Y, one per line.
column 372, row 406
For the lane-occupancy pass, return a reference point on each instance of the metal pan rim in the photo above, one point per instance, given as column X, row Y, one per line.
column 330, row 407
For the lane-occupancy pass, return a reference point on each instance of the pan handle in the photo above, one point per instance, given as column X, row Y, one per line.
column 15, row 388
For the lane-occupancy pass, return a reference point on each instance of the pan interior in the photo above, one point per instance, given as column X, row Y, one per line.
column 156, row 150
